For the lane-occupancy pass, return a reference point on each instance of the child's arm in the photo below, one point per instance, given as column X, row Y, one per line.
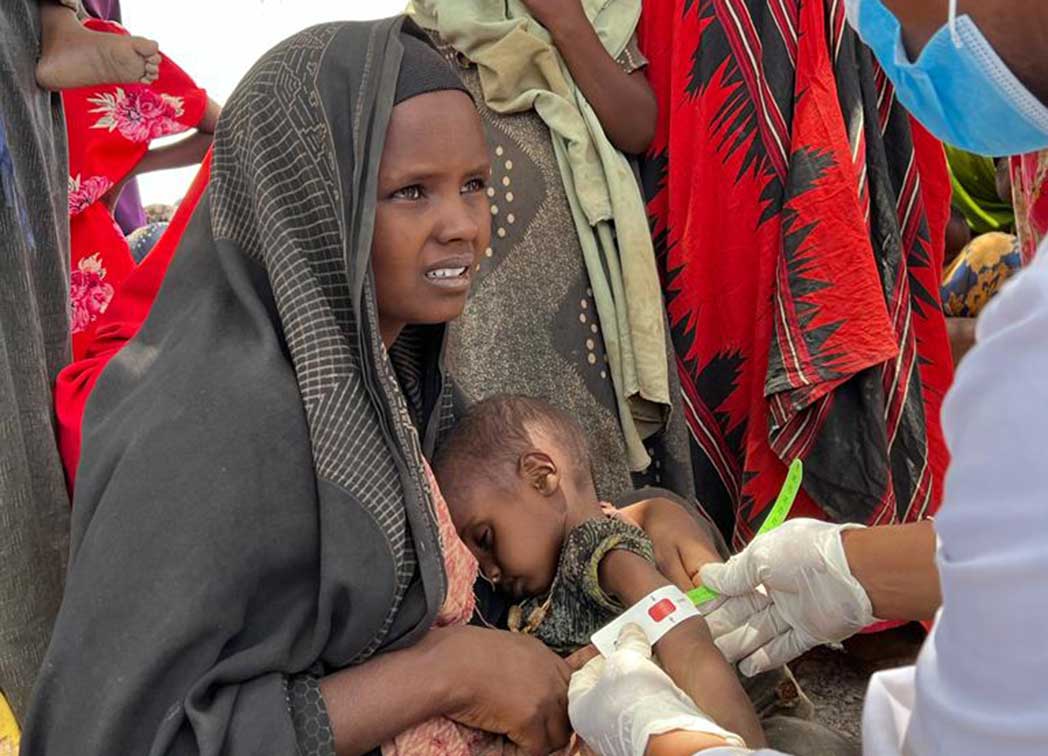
column 187, row 151
column 682, row 545
column 687, row 652
column 624, row 103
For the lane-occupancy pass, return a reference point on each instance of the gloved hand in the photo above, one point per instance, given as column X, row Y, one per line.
column 788, row 591
column 617, row 704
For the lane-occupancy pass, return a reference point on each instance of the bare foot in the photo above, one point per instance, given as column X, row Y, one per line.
column 74, row 56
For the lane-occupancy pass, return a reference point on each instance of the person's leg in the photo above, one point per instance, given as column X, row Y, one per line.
column 75, row 56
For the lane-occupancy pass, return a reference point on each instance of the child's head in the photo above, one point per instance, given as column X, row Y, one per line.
column 514, row 471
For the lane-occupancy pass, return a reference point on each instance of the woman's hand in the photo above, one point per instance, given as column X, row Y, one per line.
column 682, row 546
column 507, row 684
column 488, row 679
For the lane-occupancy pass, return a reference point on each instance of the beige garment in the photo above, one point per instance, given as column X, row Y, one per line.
column 520, row 70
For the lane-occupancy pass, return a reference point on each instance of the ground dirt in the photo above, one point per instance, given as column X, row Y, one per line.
column 835, row 679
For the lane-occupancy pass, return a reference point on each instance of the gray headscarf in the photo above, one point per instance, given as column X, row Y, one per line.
column 251, row 499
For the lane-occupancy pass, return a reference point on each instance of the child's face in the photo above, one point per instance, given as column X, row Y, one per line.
column 516, row 533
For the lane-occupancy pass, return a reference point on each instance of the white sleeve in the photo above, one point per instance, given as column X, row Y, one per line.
column 981, row 681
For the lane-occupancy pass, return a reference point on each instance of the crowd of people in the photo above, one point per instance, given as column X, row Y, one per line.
column 484, row 327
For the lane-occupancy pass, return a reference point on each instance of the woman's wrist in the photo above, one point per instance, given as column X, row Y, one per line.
column 895, row 565
column 369, row 704
column 445, row 670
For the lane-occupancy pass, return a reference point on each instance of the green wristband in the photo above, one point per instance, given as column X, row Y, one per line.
column 776, row 517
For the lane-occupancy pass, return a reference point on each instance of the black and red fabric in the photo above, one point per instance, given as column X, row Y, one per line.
column 799, row 217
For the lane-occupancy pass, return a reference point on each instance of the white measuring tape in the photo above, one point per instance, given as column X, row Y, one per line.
column 656, row 614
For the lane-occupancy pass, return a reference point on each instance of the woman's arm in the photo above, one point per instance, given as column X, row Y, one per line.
column 189, row 150
column 687, row 652
column 488, row 679
column 624, row 102
column 369, row 704
column 210, row 120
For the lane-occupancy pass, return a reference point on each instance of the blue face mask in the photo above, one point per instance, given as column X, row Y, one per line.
column 959, row 88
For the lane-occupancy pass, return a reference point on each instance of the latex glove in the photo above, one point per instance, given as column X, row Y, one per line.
column 617, row 704
column 787, row 592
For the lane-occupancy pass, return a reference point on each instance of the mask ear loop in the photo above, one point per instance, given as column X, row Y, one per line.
column 952, row 22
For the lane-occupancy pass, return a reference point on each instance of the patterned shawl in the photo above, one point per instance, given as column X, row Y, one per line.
column 251, row 499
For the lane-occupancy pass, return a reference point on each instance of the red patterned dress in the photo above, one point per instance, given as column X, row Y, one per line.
column 799, row 217
column 110, row 128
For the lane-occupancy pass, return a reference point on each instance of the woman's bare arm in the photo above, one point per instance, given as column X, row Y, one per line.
column 624, row 102
column 491, row 680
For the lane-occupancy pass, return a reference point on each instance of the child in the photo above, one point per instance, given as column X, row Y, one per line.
column 517, row 478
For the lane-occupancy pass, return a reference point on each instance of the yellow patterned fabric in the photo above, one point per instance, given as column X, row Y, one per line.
column 9, row 734
column 978, row 273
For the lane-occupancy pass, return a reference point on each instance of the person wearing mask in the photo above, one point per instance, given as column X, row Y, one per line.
column 981, row 569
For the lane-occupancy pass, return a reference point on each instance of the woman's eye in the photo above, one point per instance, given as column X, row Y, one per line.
column 474, row 185
column 413, row 192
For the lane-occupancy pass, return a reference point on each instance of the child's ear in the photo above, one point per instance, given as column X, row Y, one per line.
column 540, row 472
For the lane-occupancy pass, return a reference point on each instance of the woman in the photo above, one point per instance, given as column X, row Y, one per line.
column 800, row 219
column 985, row 556
column 253, row 523
column 129, row 213
column 116, row 326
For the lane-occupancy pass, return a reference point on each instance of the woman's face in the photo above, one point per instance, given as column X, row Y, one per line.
column 433, row 218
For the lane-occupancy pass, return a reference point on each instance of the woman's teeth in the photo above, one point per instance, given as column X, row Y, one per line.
column 447, row 273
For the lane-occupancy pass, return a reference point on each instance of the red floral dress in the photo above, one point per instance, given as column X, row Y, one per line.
column 110, row 128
